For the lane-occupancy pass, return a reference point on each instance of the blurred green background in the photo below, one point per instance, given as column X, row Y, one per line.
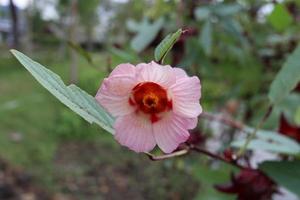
column 235, row 47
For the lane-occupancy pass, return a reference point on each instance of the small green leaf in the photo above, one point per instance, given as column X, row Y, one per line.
column 270, row 141
column 72, row 96
column 285, row 173
column 280, row 18
column 166, row 45
column 286, row 79
column 206, row 37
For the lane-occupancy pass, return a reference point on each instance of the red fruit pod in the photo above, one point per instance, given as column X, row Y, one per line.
column 250, row 184
column 288, row 129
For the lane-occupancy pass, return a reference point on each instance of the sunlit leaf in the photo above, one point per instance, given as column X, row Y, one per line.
column 285, row 173
column 286, row 79
column 72, row 96
column 166, row 45
column 280, row 17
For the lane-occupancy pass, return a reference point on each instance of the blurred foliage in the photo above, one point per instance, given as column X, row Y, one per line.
column 146, row 33
column 284, row 172
column 280, row 17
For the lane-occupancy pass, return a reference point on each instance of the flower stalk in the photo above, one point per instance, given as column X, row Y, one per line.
column 253, row 134
column 190, row 147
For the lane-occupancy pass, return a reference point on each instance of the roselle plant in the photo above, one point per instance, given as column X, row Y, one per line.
column 151, row 104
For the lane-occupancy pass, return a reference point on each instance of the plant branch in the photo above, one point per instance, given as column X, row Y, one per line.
column 215, row 156
column 225, row 120
column 167, row 156
column 190, row 147
column 253, row 134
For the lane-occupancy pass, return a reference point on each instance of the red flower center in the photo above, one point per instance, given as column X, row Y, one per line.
column 150, row 98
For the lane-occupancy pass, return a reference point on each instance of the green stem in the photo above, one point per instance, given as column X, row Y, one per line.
column 253, row 134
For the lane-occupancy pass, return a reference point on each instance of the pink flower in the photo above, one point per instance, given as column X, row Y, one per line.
column 153, row 104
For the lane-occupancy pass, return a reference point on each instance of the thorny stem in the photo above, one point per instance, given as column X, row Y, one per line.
column 253, row 134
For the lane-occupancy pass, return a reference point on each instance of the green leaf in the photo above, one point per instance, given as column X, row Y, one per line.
column 297, row 116
column 257, row 144
column 286, row 79
column 209, row 177
column 202, row 13
column 132, row 25
column 146, row 34
column 288, row 106
column 206, row 37
column 125, row 55
column 166, row 45
column 233, row 27
column 280, row 18
column 72, row 96
column 270, row 141
column 224, row 10
column 285, row 173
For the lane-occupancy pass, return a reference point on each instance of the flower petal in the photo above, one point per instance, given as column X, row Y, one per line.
column 119, row 85
column 134, row 132
column 115, row 90
column 126, row 69
column 179, row 73
column 117, row 106
column 114, row 95
column 185, row 97
column 170, row 131
column 153, row 72
column 191, row 123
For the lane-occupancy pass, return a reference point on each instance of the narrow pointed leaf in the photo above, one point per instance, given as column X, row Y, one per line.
column 270, row 141
column 286, row 79
column 72, row 96
column 166, row 45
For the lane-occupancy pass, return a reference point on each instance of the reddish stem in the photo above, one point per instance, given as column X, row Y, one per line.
column 215, row 156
